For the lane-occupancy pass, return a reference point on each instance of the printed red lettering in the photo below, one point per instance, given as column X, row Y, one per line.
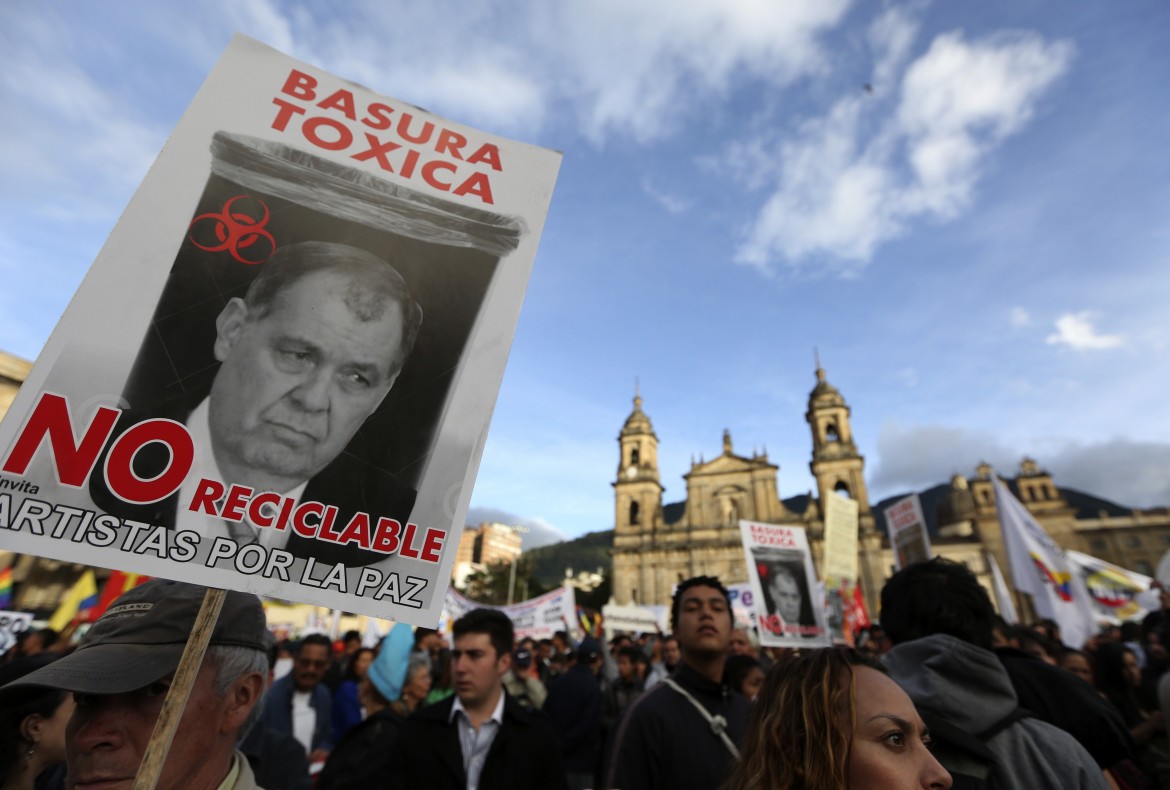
column 340, row 100
column 378, row 116
column 379, row 150
column 300, row 85
column 257, row 513
column 428, row 174
column 450, row 142
column 476, row 185
column 488, row 153
column 72, row 461
column 386, row 536
column 433, row 545
column 119, row 463
column 325, row 532
column 404, row 129
column 237, row 501
column 408, row 550
column 303, row 527
column 357, row 531
column 205, row 498
column 287, row 111
column 344, row 135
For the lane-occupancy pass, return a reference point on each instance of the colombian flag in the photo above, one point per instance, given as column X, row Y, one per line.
column 81, row 596
column 118, row 583
column 6, row 588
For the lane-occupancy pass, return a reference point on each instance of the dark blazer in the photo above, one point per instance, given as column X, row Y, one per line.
column 349, row 483
column 525, row 754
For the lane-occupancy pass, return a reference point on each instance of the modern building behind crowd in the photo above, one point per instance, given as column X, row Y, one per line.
column 657, row 543
column 483, row 546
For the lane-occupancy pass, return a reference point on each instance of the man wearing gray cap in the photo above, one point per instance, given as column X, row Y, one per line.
column 120, row 675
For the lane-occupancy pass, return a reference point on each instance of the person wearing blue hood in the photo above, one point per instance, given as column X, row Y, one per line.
column 363, row 755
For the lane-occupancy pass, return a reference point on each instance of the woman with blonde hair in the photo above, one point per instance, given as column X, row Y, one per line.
column 831, row 719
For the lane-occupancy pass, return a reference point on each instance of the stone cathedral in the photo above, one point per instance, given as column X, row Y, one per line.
column 655, row 546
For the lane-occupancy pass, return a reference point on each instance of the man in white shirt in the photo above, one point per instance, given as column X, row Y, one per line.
column 299, row 704
column 479, row 739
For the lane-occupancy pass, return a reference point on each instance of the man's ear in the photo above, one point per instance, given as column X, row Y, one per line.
column 504, row 663
column 243, row 695
column 228, row 326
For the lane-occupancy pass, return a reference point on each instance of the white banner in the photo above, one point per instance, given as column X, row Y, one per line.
column 907, row 530
column 840, row 563
column 1003, row 597
column 789, row 610
column 278, row 374
column 1116, row 594
column 12, row 625
column 635, row 619
column 1039, row 567
column 538, row 618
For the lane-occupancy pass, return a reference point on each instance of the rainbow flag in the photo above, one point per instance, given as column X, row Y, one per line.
column 6, row 588
column 118, row 583
column 81, row 596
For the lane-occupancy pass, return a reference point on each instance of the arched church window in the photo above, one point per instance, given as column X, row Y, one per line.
column 842, row 489
column 831, row 434
column 635, row 456
column 634, row 512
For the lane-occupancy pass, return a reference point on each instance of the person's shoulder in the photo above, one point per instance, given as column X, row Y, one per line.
column 438, row 712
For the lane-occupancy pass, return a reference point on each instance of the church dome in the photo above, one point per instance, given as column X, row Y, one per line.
column 824, row 393
column 958, row 505
column 637, row 422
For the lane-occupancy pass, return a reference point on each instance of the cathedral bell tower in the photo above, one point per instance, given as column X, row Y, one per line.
column 836, row 464
column 637, row 490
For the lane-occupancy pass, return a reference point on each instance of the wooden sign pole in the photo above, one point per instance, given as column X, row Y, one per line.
column 172, row 709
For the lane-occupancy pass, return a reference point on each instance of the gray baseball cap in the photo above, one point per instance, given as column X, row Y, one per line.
column 141, row 638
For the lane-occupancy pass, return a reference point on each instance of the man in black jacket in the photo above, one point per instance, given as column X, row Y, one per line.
column 478, row 739
column 574, row 707
column 685, row 732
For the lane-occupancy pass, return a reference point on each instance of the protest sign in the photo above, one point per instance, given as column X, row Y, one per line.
column 538, row 618
column 789, row 611
column 841, row 591
column 278, row 374
column 12, row 625
column 635, row 619
column 742, row 604
column 907, row 531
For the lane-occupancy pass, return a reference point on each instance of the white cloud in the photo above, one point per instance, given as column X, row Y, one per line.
column 1020, row 317
column 1076, row 331
column 540, row 532
column 672, row 203
column 915, row 457
column 857, row 176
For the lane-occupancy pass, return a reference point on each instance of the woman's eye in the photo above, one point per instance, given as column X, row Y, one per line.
column 895, row 738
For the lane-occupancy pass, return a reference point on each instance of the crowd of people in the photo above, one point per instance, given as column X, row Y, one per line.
column 942, row 694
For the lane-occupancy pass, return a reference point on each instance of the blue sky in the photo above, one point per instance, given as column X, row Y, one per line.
column 978, row 243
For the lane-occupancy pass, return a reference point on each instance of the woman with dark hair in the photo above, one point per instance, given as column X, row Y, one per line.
column 831, row 719
column 32, row 727
column 744, row 675
column 347, row 707
column 1119, row 678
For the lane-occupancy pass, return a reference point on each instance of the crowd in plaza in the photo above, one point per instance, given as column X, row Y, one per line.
column 942, row 694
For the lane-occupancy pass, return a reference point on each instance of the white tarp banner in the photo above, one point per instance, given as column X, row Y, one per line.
column 1003, row 597
column 1039, row 568
column 790, row 611
column 538, row 618
column 635, row 619
column 908, row 534
column 278, row 374
column 1116, row 594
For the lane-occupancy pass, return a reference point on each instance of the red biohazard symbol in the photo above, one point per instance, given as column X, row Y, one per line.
column 237, row 231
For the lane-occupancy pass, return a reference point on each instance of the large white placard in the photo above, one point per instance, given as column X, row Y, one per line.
column 278, row 374
column 907, row 530
column 789, row 611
